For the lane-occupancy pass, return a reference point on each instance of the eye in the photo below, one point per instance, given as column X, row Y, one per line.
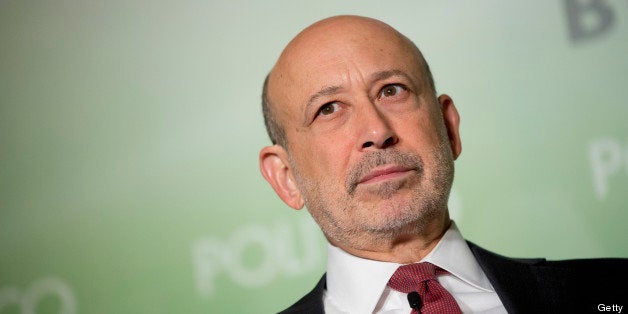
column 390, row 90
column 328, row 108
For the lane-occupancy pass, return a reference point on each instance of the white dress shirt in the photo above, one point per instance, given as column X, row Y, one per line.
column 357, row 285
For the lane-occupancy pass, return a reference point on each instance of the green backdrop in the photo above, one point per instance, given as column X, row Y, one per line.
column 129, row 133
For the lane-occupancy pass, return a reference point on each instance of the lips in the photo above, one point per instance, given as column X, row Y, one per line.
column 383, row 166
column 384, row 173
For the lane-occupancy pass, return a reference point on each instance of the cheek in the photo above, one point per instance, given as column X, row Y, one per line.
column 418, row 131
column 332, row 158
column 323, row 158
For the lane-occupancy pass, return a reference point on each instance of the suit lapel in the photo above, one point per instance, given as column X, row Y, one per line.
column 514, row 280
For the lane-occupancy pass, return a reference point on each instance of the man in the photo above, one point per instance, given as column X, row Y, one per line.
column 360, row 138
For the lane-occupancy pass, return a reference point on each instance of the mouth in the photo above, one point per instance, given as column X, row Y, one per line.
column 384, row 173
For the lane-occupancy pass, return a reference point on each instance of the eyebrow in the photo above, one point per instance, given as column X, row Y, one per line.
column 330, row 90
column 325, row 91
column 382, row 75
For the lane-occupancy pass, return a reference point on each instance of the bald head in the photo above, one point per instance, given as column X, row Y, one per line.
column 332, row 41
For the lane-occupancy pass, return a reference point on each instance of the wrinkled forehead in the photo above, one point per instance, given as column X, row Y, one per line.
column 328, row 52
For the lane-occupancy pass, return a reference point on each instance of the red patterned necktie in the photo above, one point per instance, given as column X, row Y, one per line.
column 421, row 278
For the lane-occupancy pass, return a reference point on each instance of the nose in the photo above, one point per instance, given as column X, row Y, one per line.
column 376, row 130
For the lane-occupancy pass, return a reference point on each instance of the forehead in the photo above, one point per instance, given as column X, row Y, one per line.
column 319, row 51
column 338, row 54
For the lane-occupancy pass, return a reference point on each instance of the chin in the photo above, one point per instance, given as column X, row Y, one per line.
column 394, row 214
column 403, row 212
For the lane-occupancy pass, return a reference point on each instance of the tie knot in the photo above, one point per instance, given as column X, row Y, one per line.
column 421, row 278
column 409, row 277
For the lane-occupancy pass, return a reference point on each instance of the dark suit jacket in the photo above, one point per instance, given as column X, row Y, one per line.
column 534, row 285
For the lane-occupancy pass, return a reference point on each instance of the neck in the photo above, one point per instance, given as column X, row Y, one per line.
column 405, row 247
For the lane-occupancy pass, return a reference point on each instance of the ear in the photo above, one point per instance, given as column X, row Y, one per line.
column 273, row 163
column 452, row 122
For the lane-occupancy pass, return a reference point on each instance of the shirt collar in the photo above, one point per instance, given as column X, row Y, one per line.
column 356, row 284
column 452, row 253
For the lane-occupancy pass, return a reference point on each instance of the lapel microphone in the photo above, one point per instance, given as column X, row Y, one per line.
column 414, row 299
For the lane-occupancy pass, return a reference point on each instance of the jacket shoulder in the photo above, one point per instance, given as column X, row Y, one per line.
column 311, row 303
column 536, row 285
